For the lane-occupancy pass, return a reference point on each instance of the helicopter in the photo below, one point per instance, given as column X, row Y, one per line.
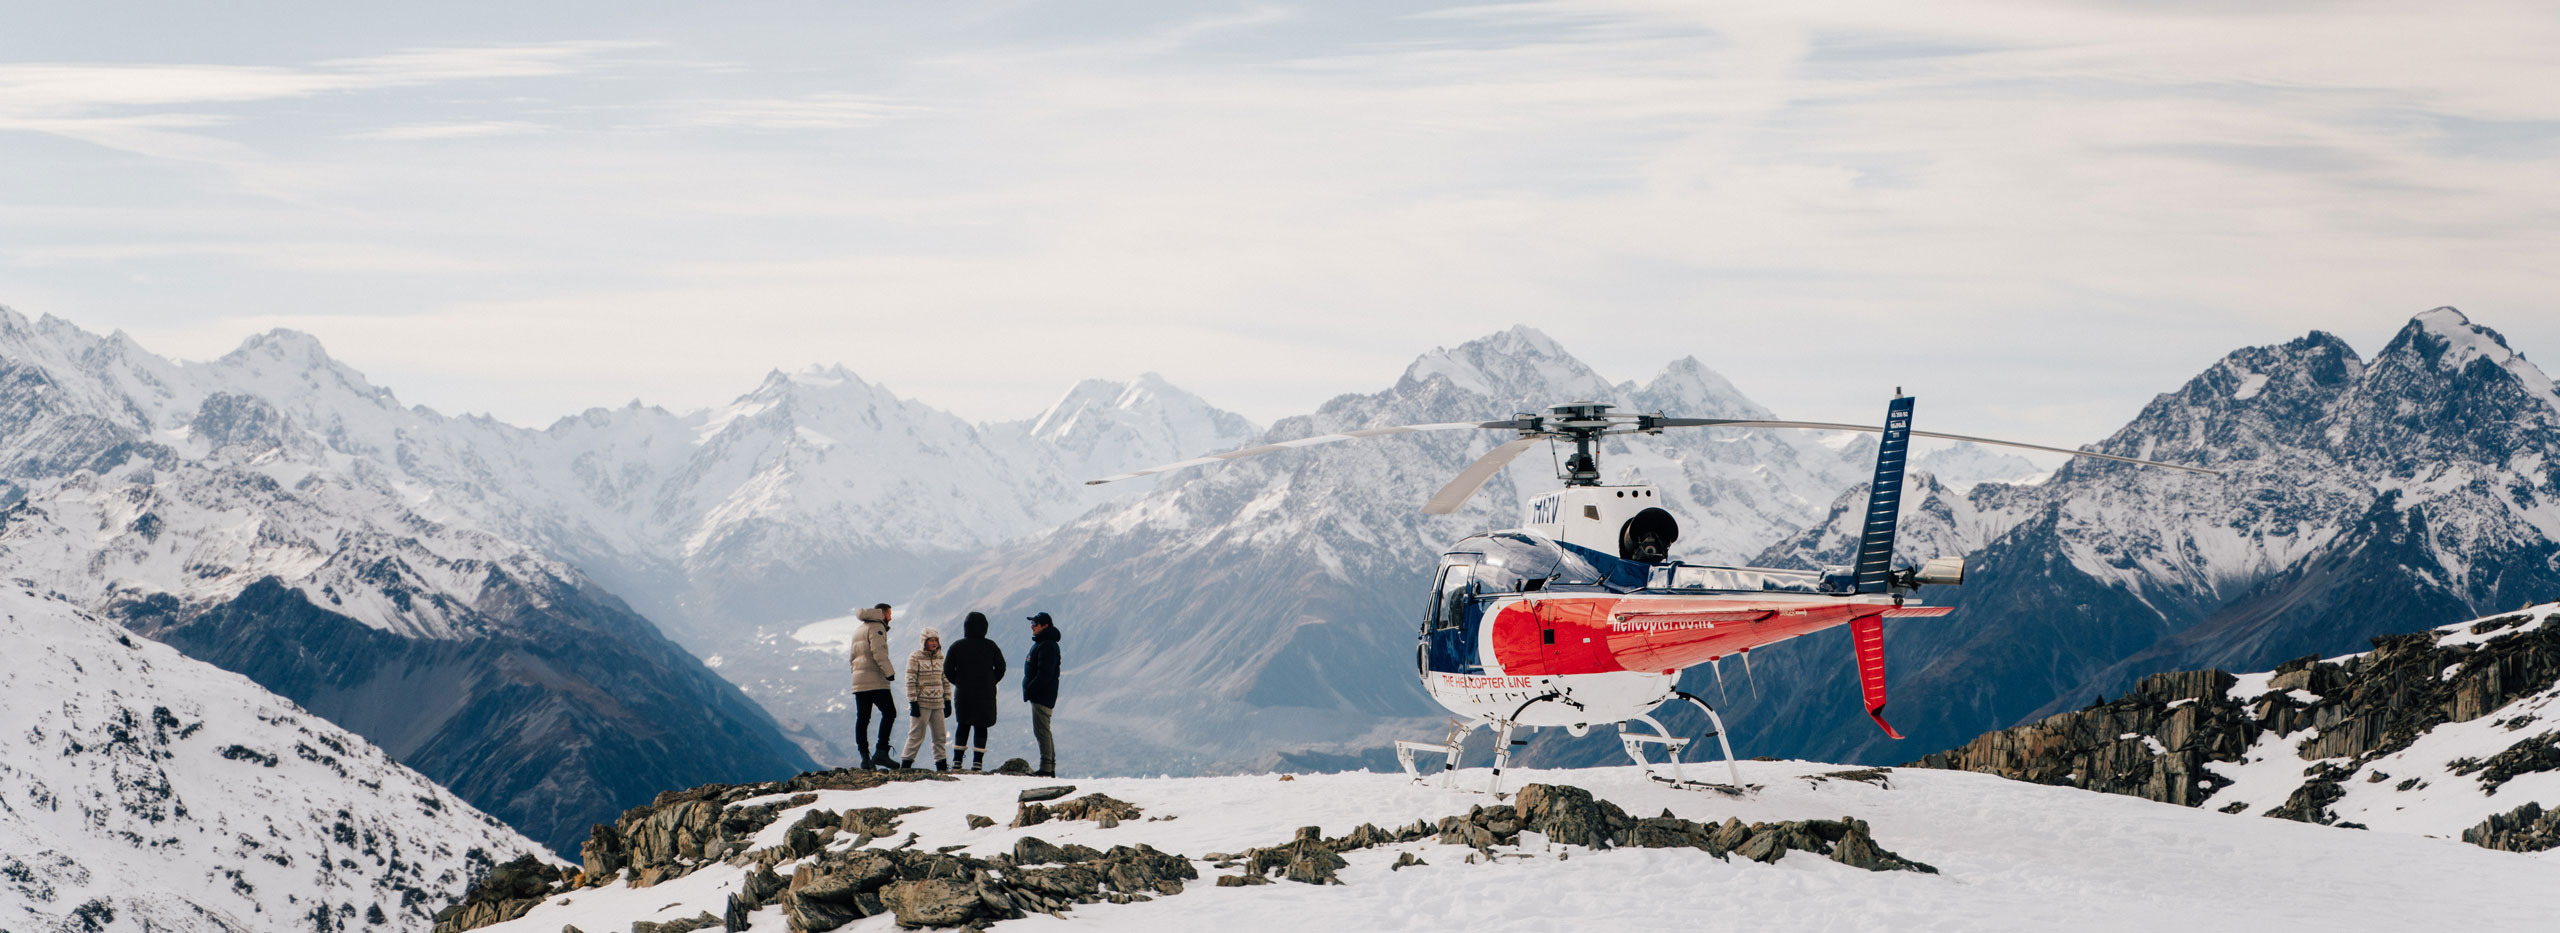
column 1579, row 617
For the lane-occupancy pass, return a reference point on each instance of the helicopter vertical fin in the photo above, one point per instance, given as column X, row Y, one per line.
column 1884, row 501
column 1867, row 632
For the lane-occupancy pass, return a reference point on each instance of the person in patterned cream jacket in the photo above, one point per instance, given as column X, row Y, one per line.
column 928, row 702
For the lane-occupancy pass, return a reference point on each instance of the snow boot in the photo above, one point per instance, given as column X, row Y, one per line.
column 906, row 764
column 941, row 764
column 978, row 760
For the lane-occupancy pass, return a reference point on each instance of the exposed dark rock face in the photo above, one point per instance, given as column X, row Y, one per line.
column 2540, row 753
column 702, row 921
column 572, row 711
column 2528, row 828
column 507, row 892
column 1096, row 807
column 2153, row 742
column 1572, row 816
column 1568, row 814
column 680, row 831
column 2111, row 747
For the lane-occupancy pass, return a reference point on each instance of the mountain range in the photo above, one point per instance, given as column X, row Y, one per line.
column 455, row 588
column 272, row 513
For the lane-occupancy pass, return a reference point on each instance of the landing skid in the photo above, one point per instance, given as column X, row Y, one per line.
column 1634, row 743
column 1453, row 748
column 1449, row 749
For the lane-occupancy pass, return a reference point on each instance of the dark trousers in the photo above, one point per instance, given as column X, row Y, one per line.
column 862, row 705
column 1040, row 732
column 972, row 737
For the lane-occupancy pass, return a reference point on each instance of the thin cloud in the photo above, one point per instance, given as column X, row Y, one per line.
column 830, row 111
column 121, row 106
column 479, row 129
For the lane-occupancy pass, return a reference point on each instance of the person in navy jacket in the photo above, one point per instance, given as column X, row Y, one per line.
column 1040, row 688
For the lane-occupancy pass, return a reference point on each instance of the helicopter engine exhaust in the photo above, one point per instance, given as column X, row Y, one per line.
column 1940, row 570
column 1648, row 536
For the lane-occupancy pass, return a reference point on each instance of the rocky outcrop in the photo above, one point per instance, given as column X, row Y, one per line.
column 2153, row 742
column 822, row 884
column 1568, row 815
column 2537, row 754
column 2528, row 828
column 1100, row 808
column 507, row 892
column 681, row 832
column 702, row 921
column 936, row 889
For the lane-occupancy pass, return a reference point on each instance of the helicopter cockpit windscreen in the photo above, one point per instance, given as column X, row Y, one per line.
column 1512, row 562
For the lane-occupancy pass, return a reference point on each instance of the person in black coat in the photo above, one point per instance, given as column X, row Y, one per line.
column 973, row 665
column 1040, row 688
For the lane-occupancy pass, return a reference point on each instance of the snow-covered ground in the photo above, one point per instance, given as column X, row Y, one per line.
column 143, row 790
column 2010, row 856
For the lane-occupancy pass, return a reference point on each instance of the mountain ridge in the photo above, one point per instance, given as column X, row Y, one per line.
column 150, row 790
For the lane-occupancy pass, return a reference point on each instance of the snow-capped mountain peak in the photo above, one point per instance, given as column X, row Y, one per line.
column 1521, row 365
column 1686, row 388
column 1102, row 426
column 2448, row 339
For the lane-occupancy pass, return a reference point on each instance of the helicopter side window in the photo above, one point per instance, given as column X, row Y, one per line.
column 1451, row 604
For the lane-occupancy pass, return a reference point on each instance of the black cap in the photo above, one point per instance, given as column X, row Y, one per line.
column 1041, row 618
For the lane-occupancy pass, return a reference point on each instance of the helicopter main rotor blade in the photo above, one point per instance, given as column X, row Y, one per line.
column 1871, row 429
column 1307, row 442
column 1459, row 490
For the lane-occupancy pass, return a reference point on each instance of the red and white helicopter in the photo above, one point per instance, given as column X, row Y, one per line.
column 1578, row 618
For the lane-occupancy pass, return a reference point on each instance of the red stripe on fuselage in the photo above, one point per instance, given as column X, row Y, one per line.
column 1604, row 634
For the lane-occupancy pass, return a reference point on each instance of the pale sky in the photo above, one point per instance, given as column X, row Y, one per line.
column 2034, row 215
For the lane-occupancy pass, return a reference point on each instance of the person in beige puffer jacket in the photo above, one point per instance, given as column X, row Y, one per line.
column 928, row 702
column 872, row 674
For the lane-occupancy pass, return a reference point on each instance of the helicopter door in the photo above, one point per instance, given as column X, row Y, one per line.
column 1448, row 632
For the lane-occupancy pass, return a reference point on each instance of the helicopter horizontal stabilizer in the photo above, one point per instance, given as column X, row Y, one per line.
column 1867, row 633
